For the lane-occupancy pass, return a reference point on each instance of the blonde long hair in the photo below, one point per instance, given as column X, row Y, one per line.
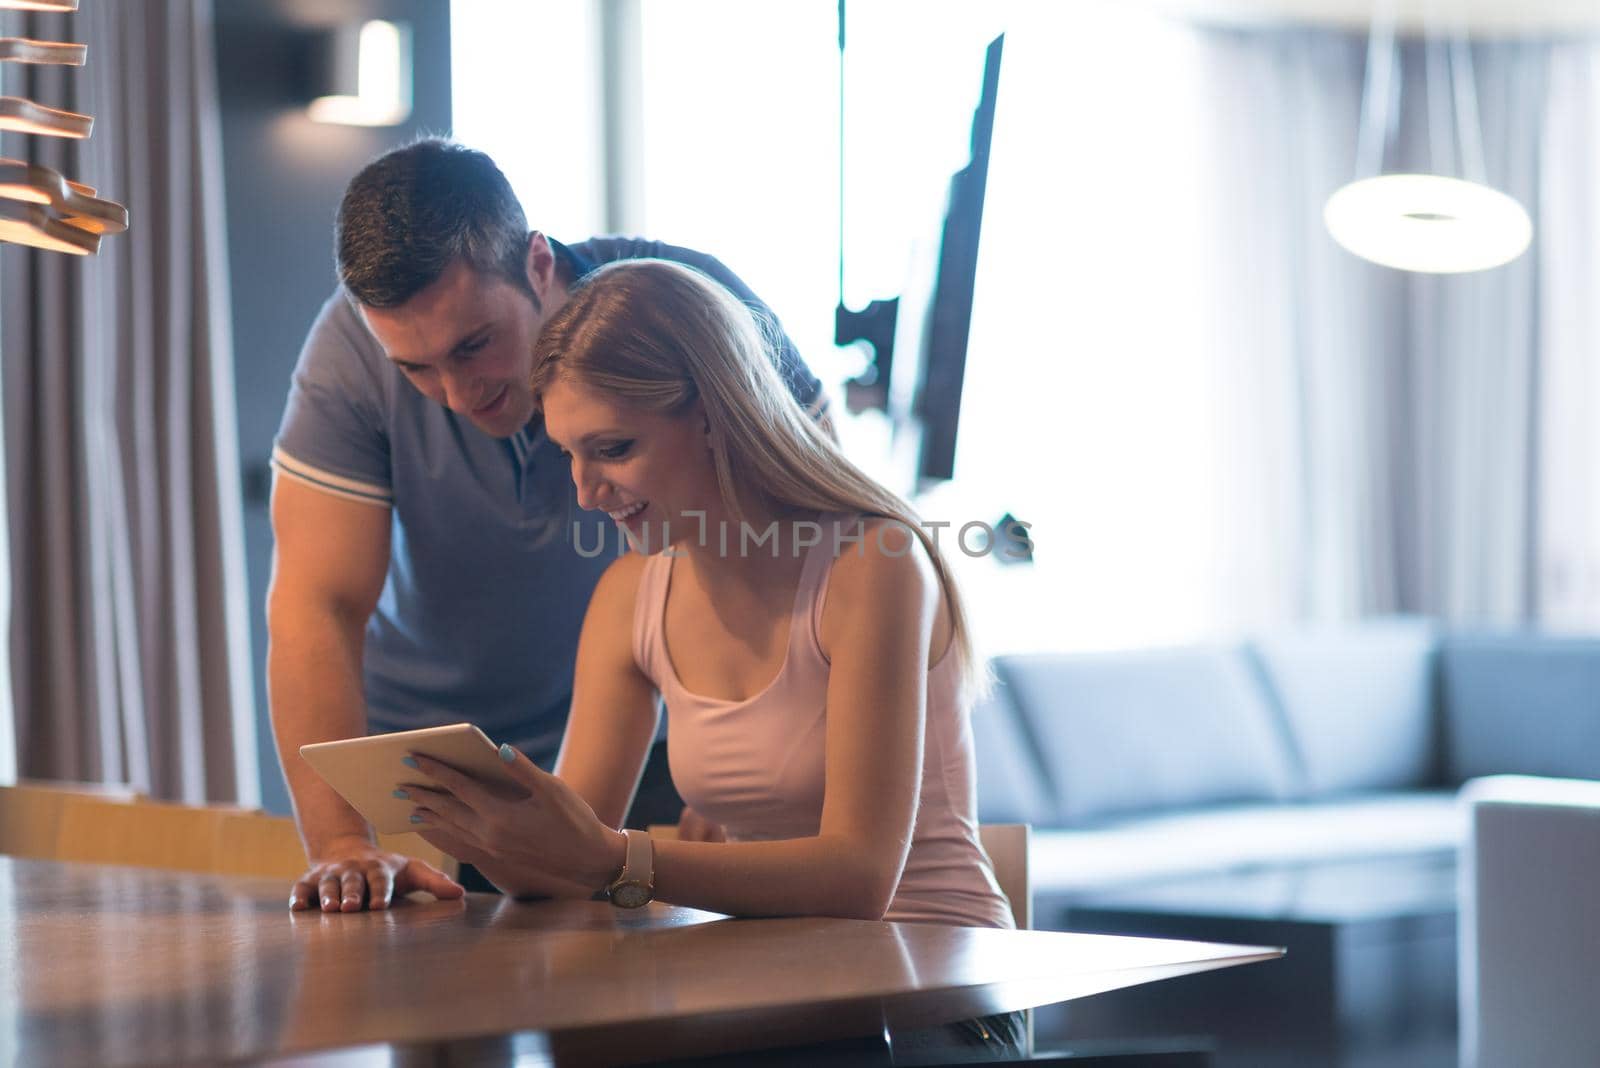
column 657, row 336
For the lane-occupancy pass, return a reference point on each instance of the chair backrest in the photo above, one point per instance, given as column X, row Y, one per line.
column 30, row 814
column 1007, row 846
column 116, row 827
column 146, row 834
column 28, row 822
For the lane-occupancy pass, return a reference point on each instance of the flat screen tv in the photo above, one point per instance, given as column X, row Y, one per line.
column 918, row 340
column 946, row 318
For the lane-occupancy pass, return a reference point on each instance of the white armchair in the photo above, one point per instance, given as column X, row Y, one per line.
column 1530, row 923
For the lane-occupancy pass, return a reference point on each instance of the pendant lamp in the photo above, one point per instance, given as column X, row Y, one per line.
column 38, row 206
column 1447, row 220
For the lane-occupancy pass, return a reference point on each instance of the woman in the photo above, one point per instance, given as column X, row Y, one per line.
column 802, row 627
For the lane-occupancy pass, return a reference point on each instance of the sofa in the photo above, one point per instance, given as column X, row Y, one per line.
column 1312, row 744
column 1310, row 772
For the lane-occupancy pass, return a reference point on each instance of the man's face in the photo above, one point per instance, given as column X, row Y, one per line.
column 466, row 342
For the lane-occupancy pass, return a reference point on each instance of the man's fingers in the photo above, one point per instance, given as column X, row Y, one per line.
column 380, row 886
column 301, row 893
column 418, row 875
column 348, row 884
column 352, row 891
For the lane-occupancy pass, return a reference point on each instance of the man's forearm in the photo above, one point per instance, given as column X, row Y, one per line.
column 314, row 686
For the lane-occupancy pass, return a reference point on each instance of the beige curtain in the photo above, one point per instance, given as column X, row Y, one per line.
column 129, row 647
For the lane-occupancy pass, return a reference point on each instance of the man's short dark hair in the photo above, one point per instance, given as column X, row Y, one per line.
column 414, row 211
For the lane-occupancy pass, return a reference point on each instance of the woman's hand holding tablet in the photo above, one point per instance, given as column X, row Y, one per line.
column 541, row 840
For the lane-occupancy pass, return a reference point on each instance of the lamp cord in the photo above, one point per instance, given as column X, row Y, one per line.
column 841, row 153
column 1377, row 93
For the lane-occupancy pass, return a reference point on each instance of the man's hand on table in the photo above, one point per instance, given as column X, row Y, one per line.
column 352, row 874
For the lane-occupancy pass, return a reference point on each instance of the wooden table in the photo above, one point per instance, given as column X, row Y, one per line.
column 126, row 966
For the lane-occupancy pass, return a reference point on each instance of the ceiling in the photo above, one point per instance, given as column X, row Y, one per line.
column 1485, row 17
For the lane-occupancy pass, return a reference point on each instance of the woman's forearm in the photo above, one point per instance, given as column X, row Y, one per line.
column 818, row 876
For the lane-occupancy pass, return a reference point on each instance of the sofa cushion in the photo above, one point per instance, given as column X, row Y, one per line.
column 1358, row 703
column 1130, row 732
column 1012, row 784
column 1521, row 704
column 1239, row 837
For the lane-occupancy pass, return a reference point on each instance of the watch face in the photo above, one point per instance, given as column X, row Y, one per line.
column 630, row 895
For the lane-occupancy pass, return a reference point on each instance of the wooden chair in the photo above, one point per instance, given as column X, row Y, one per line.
column 30, row 813
column 146, row 834
column 116, row 825
column 1007, row 846
column 254, row 843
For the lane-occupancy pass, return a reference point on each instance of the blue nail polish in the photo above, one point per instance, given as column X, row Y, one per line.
column 402, row 795
column 416, row 819
column 409, row 762
column 508, row 754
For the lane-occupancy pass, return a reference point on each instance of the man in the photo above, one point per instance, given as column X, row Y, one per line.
column 425, row 568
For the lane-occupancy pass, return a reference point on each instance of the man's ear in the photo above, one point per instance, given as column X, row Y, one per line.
column 540, row 265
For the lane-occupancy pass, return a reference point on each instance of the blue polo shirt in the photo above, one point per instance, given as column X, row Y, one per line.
column 486, row 587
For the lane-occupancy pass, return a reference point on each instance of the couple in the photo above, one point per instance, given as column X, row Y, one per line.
column 815, row 679
column 814, row 685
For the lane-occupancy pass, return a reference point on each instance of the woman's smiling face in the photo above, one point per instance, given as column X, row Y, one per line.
column 652, row 473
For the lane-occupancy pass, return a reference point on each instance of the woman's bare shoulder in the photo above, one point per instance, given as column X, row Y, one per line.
column 619, row 585
column 882, row 560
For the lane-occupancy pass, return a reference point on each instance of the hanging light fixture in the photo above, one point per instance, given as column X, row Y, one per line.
column 39, row 207
column 1438, row 223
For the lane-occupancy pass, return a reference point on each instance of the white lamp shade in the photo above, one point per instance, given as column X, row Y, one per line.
column 1428, row 223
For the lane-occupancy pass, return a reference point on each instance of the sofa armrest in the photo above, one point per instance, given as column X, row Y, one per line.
column 1530, row 923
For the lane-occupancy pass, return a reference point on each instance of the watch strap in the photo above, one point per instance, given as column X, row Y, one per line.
column 636, row 881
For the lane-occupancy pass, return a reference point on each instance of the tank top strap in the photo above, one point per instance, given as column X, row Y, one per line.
column 837, row 530
column 649, row 617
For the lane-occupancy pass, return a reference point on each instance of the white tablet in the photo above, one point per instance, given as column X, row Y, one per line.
column 367, row 771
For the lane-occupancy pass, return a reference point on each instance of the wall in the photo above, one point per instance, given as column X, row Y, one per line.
column 284, row 175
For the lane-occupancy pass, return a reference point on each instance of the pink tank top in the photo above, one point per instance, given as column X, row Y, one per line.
column 756, row 766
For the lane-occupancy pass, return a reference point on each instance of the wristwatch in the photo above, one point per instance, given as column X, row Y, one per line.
column 635, row 885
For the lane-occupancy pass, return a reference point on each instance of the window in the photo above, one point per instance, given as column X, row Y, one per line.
column 1091, row 403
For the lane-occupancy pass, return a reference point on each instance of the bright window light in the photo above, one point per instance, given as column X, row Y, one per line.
column 552, row 156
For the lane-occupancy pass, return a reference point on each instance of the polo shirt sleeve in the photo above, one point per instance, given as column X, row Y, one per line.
column 805, row 386
column 333, row 436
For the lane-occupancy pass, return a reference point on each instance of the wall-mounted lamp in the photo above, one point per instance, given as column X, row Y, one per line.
column 41, row 5
column 360, row 75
